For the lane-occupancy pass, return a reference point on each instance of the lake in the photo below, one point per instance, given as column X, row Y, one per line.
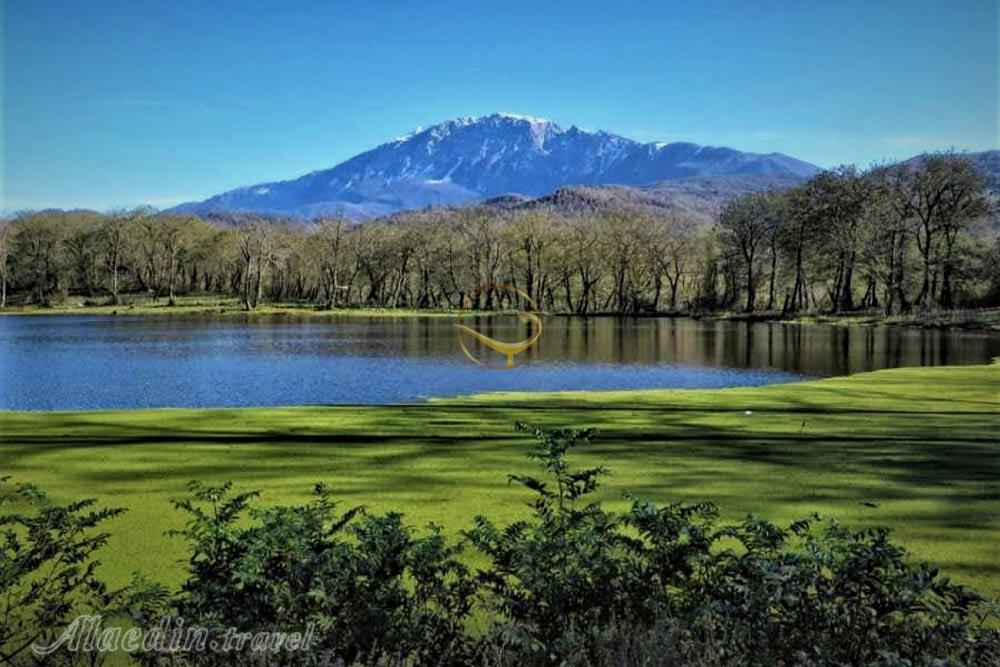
column 97, row 362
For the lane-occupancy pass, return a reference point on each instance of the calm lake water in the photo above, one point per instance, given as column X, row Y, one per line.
column 92, row 362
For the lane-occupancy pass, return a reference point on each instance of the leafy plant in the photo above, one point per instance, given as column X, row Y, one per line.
column 365, row 583
column 559, row 581
column 820, row 593
column 47, row 571
column 576, row 584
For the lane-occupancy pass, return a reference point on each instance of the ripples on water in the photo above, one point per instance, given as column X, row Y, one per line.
column 92, row 362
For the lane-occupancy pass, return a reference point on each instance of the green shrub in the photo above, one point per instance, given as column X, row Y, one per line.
column 819, row 593
column 579, row 585
column 557, row 583
column 47, row 571
column 573, row 584
column 365, row 583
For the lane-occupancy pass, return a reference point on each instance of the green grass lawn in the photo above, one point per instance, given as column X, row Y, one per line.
column 915, row 449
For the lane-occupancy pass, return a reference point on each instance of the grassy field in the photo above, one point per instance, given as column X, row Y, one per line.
column 914, row 449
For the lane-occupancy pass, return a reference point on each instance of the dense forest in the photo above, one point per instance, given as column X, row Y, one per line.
column 911, row 236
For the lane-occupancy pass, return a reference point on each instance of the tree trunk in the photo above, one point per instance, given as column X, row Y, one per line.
column 247, row 282
column 751, row 292
column 114, row 280
column 568, row 291
column 170, row 283
column 771, row 286
column 947, row 268
column 847, row 294
column 904, row 305
column 260, row 283
column 925, row 285
column 837, row 287
column 946, row 298
column 795, row 302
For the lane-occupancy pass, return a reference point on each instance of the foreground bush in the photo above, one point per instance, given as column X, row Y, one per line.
column 46, row 569
column 572, row 584
column 365, row 582
column 663, row 585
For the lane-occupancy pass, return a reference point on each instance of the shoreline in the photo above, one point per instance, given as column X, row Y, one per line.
column 228, row 308
column 984, row 319
column 626, row 399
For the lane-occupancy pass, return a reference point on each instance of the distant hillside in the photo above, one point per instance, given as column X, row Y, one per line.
column 581, row 198
column 697, row 199
column 989, row 162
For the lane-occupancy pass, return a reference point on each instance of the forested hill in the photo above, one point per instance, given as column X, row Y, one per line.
column 697, row 200
column 988, row 163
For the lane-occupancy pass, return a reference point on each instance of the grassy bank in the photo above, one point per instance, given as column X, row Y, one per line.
column 211, row 305
column 984, row 318
column 978, row 318
column 915, row 449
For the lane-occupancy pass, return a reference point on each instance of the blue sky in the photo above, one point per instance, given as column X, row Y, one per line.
column 109, row 104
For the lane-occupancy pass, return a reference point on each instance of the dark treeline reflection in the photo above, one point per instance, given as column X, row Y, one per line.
column 805, row 349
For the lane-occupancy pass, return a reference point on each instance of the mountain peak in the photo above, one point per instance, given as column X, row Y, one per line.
column 500, row 119
column 533, row 120
column 471, row 159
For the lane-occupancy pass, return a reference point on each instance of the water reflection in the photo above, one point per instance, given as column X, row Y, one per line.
column 95, row 362
column 808, row 349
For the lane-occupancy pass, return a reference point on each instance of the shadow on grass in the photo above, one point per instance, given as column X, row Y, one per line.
column 916, row 451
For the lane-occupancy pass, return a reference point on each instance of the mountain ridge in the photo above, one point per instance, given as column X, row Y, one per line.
column 469, row 160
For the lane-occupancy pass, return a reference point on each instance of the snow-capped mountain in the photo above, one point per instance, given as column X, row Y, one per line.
column 473, row 159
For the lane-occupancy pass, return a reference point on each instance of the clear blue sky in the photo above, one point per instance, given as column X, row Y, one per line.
column 117, row 103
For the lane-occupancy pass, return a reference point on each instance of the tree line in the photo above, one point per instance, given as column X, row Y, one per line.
column 894, row 238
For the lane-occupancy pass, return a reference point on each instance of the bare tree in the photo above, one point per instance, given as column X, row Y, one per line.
column 746, row 223
column 332, row 234
column 251, row 242
column 38, row 253
column 175, row 235
column 962, row 202
column 7, row 231
column 838, row 204
column 114, row 235
column 943, row 192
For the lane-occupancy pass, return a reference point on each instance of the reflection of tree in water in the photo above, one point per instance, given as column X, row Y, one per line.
column 812, row 349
